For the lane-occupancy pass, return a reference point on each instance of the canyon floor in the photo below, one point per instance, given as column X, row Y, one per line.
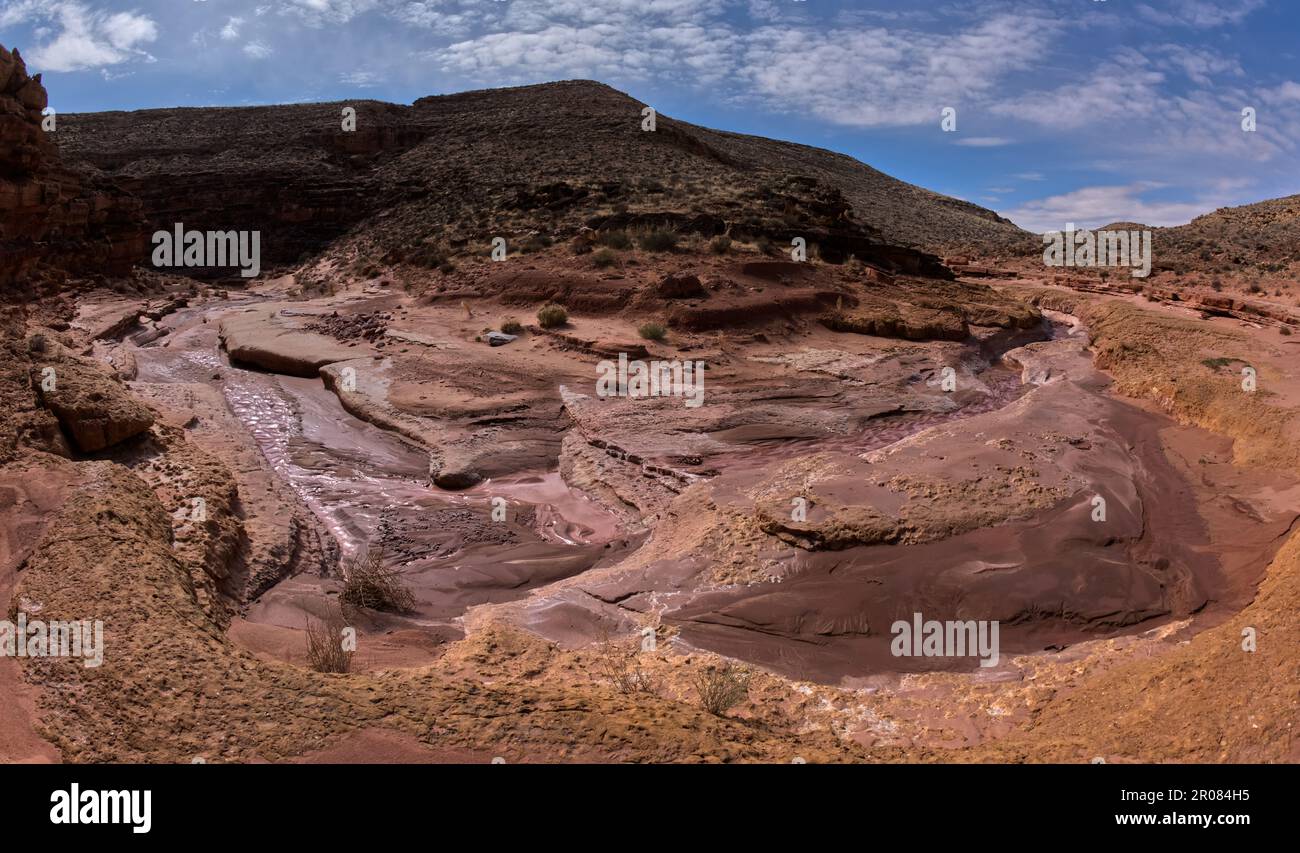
column 917, row 420
column 869, row 446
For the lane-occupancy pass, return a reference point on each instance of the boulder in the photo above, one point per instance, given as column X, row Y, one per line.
column 269, row 338
column 457, row 480
column 93, row 409
column 681, row 286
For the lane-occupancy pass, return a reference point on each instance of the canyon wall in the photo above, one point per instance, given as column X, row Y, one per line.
column 52, row 215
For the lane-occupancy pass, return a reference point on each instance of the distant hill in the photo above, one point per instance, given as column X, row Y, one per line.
column 531, row 163
column 1254, row 238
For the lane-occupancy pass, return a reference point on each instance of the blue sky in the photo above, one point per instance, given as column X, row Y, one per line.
column 1084, row 111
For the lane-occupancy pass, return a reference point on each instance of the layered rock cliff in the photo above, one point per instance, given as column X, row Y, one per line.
column 52, row 215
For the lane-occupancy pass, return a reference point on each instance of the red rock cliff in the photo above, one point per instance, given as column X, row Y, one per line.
column 52, row 216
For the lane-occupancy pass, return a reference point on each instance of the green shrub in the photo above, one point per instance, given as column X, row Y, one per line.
column 652, row 331
column 720, row 244
column 511, row 326
column 552, row 315
column 603, row 258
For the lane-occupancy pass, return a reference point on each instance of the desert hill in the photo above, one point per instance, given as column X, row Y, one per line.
column 533, row 164
column 1251, row 240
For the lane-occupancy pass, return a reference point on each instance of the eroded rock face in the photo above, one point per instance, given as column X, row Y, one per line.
column 289, row 172
column 50, row 214
column 95, row 411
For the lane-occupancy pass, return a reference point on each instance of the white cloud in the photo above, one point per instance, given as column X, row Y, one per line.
column 882, row 77
column 1123, row 87
column 598, row 50
column 1093, row 207
column 1198, row 65
column 360, row 79
column 317, row 13
column 442, row 17
column 86, row 38
column 22, row 11
column 230, row 31
column 257, row 50
column 1200, row 14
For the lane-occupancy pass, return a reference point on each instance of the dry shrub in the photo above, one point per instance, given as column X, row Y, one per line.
column 722, row 688
column 657, row 240
column 325, row 650
column 614, row 240
column 620, row 663
column 552, row 316
column 369, row 584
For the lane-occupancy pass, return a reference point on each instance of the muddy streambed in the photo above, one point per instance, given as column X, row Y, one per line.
column 370, row 488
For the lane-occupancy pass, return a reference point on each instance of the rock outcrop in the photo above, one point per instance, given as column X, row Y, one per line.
column 274, row 340
column 50, row 214
column 94, row 410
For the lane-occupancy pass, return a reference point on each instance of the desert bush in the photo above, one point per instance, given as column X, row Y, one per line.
column 658, row 240
column 652, row 331
column 511, row 326
column 621, row 664
column 614, row 240
column 325, row 649
column 1284, row 330
column 603, row 258
column 552, row 315
column 763, row 245
column 720, row 244
column 722, row 688
column 369, row 584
